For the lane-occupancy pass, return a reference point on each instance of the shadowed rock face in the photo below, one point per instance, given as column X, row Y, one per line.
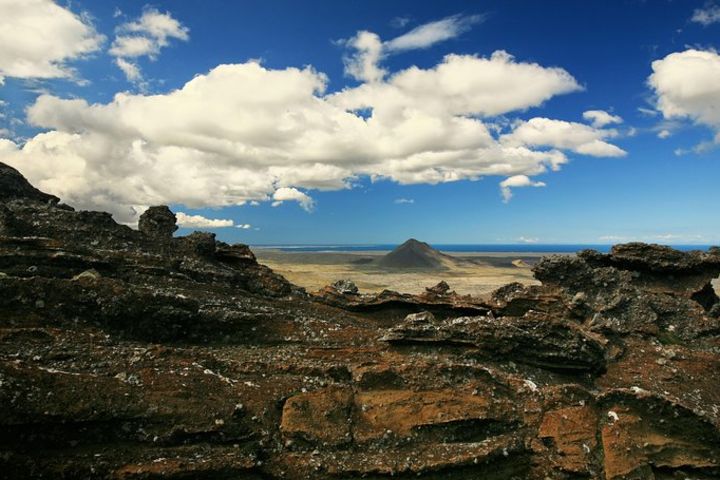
column 14, row 186
column 128, row 354
column 158, row 223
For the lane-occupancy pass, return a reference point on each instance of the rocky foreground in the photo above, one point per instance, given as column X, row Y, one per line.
column 131, row 354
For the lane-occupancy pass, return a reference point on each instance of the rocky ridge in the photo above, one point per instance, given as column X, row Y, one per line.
column 133, row 354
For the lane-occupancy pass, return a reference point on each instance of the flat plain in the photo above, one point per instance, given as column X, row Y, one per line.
column 471, row 274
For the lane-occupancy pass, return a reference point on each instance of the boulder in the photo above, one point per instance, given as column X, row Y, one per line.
column 158, row 223
column 345, row 287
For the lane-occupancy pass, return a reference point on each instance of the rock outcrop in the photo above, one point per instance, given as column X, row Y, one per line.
column 131, row 354
column 14, row 186
column 158, row 223
column 345, row 287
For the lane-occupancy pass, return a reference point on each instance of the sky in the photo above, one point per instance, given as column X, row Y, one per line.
column 326, row 122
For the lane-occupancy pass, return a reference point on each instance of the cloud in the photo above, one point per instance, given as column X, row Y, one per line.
column 462, row 85
column 647, row 112
column 400, row 22
column 663, row 134
column 700, row 148
column 612, row 238
column 129, row 47
column 242, row 133
column 369, row 49
column 516, row 181
column 706, row 16
column 560, row 134
column 284, row 194
column 428, row 34
column 675, row 237
column 363, row 64
column 528, row 239
column 159, row 26
column 601, row 118
column 39, row 38
column 687, row 84
column 401, row 201
column 131, row 70
column 244, row 226
column 144, row 37
column 198, row 221
column 689, row 238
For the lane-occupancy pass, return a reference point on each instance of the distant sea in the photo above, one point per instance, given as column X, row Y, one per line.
column 461, row 248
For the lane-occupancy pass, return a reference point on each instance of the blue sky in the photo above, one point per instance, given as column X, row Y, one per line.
column 287, row 150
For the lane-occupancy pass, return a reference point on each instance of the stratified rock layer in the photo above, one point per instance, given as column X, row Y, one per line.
column 131, row 354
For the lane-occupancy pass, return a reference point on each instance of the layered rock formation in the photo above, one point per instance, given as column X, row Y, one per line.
column 131, row 354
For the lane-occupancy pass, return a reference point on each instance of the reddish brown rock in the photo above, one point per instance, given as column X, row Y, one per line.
column 321, row 418
column 644, row 434
column 128, row 355
column 573, row 433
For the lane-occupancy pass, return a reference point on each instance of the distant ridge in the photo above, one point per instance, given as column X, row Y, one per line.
column 416, row 254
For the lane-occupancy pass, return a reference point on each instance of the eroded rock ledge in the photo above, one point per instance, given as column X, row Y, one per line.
column 135, row 354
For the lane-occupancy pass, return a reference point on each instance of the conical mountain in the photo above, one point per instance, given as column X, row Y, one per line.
column 416, row 254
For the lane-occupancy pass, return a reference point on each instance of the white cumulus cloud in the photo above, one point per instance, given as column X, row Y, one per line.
column 39, row 37
column 516, row 181
column 364, row 65
column 159, row 26
column 144, row 37
column 577, row 137
column 129, row 47
column 369, row 50
column 285, row 194
column 463, row 85
column 198, row 221
column 406, row 201
column 244, row 133
column 601, row 118
column 687, row 85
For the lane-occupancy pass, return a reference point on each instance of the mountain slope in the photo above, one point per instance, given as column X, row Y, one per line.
column 416, row 254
